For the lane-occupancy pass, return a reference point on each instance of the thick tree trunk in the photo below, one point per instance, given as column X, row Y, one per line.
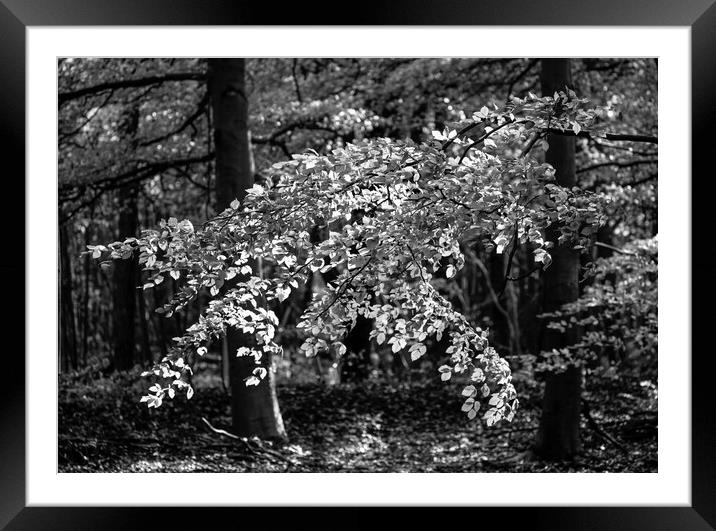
column 68, row 330
column 558, row 436
column 124, row 286
column 254, row 410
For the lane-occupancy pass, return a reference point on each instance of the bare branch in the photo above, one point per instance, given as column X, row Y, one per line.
column 619, row 164
column 64, row 97
column 186, row 123
column 649, row 139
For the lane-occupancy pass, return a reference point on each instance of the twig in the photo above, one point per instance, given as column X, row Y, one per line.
column 258, row 452
column 529, row 147
column 495, row 298
column 515, row 244
column 222, row 432
column 530, row 65
column 644, row 180
column 618, row 164
column 525, row 275
column 598, row 429
column 295, row 80
column 420, row 267
column 189, row 121
column 615, row 249
column 342, row 289
column 486, row 136
column 64, row 97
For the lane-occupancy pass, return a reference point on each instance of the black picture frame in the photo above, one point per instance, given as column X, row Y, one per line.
column 16, row 15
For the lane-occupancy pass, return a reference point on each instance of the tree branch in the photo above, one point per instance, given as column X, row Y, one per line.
column 530, row 65
column 485, row 136
column 620, row 164
column 344, row 287
column 64, row 136
column 615, row 249
column 649, row 139
column 598, row 429
column 64, row 97
column 295, row 80
column 515, row 244
column 129, row 177
column 524, row 275
column 189, row 121
column 272, row 138
column 644, row 180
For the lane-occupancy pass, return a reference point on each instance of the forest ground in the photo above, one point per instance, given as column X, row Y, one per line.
column 371, row 427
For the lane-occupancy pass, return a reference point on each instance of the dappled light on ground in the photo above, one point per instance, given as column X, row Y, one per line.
column 368, row 428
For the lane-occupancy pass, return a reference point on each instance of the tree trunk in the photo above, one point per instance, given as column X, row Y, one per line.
column 254, row 410
column 68, row 330
column 124, row 285
column 125, row 276
column 558, row 435
column 85, row 292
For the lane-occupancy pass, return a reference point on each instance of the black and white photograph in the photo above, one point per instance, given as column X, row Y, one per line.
column 358, row 264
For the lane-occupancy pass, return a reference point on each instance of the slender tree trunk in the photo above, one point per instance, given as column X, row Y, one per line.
column 255, row 410
column 86, row 294
column 125, row 277
column 558, row 435
column 68, row 331
column 500, row 330
column 124, row 286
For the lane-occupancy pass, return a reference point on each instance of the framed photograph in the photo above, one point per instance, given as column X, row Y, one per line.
column 406, row 259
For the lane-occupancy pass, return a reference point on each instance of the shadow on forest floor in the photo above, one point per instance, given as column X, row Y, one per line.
column 370, row 427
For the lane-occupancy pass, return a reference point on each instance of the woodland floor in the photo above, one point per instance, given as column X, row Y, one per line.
column 372, row 427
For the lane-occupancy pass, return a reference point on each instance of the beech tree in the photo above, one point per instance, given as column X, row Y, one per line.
column 397, row 215
column 255, row 412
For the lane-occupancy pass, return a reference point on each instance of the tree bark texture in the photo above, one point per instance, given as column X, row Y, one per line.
column 558, row 436
column 68, row 329
column 124, row 286
column 255, row 410
column 125, row 277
